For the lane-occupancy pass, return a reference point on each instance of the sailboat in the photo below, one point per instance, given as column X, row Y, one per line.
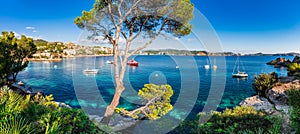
column 239, row 73
column 207, row 65
column 91, row 71
column 215, row 65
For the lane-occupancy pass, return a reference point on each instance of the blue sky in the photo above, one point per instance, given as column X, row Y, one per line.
column 245, row 26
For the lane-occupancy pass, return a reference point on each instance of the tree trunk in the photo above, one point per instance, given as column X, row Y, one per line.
column 118, row 81
column 115, row 101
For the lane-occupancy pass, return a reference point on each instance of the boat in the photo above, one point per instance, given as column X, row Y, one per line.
column 207, row 65
column 20, row 83
column 215, row 65
column 90, row 71
column 133, row 63
column 239, row 74
column 109, row 62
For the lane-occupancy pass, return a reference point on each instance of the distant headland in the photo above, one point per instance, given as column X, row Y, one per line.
column 56, row 51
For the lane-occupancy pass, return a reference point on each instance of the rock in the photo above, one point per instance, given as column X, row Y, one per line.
column 259, row 103
column 95, row 118
column 63, row 105
column 296, row 82
column 120, row 122
column 117, row 122
column 296, row 59
column 286, row 79
column 283, row 108
column 277, row 96
column 279, row 62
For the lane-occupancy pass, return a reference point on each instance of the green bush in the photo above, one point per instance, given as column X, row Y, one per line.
column 238, row 120
column 41, row 115
column 15, row 125
column 294, row 67
column 264, row 82
column 294, row 101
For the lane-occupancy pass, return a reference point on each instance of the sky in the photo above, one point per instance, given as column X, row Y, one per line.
column 242, row 26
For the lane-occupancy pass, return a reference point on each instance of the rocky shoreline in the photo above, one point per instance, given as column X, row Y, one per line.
column 276, row 102
column 282, row 62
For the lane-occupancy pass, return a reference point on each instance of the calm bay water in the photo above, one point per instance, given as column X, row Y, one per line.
column 191, row 82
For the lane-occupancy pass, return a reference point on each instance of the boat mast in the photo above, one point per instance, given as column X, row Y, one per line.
column 238, row 68
column 235, row 65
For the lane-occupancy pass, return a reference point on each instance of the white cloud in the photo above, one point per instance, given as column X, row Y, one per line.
column 176, row 38
column 17, row 35
column 30, row 28
column 190, row 40
column 34, row 31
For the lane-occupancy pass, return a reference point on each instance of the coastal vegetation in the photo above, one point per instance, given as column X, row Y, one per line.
column 13, row 55
column 264, row 82
column 41, row 115
column 241, row 119
column 129, row 20
column 294, row 101
column 157, row 101
column 294, row 69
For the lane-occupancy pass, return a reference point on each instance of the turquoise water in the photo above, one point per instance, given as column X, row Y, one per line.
column 193, row 86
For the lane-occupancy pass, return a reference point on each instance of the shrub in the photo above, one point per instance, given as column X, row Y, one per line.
column 264, row 82
column 293, row 68
column 294, row 101
column 238, row 120
column 39, row 114
column 15, row 125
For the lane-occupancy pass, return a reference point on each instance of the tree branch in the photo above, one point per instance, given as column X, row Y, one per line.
column 110, row 13
column 121, row 59
column 149, row 42
column 119, row 8
column 130, row 10
column 141, row 29
column 144, row 107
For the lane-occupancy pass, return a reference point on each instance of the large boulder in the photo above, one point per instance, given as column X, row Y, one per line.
column 279, row 62
column 277, row 94
column 259, row 103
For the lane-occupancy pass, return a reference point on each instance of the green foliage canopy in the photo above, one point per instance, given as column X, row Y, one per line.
column 293, row 68
column 264, row 82
column 40, row 115
column 241, row 119
column 294, row 101
column 156, row 99
column 139, row 17
column 13, row 54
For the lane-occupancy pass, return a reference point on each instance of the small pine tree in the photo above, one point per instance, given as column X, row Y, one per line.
column 264, row 82
column 157, row 102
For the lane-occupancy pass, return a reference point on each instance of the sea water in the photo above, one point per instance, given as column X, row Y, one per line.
column 195, row 88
